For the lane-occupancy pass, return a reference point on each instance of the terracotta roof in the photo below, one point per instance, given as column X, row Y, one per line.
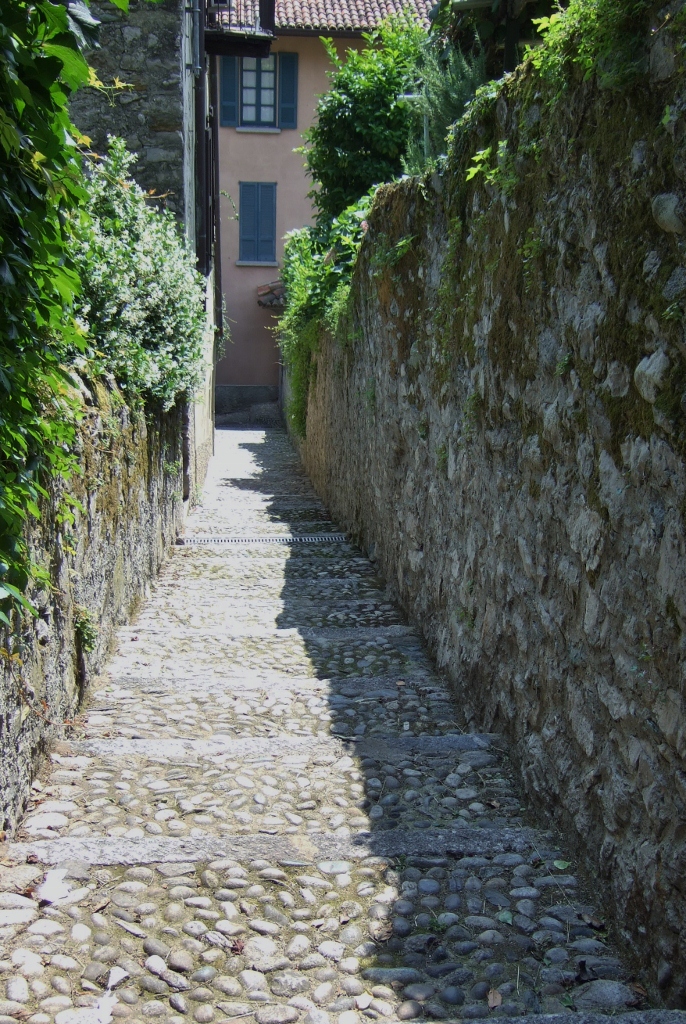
column 317, row 15
column 343, row 15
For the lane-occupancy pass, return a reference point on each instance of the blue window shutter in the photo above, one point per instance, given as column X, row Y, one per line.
column 288, row 90
column 248, row 221
column 266, row 245
column 228, row 116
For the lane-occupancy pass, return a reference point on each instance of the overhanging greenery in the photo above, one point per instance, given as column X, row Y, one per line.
column 42, row 189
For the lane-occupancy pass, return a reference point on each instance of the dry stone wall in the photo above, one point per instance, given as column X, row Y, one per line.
column 501, row 422
column 144, row 49
column 99, row 565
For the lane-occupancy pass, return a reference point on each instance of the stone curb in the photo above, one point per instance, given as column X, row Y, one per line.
column 342, row 633
column 386, row 746
column 343, row 685
column 313, row 846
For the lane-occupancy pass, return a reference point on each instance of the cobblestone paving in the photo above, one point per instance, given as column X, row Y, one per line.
column 268, row 811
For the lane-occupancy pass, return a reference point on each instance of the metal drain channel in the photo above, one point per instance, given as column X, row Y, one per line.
column 320, row 538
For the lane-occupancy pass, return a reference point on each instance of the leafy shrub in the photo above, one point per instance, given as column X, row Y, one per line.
column 40, row 184
column 42, row 192
column 362, row 126
column 605, row 38
column 318, row 265
column 365, row 126
column 489, row 31
column 141, row 298
column 449, row 80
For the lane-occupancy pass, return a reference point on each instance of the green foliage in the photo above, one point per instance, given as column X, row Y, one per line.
column 387, row 254
column 449, row 80
column 502, row 175
column 372, row 116
column 491, row 30
column 142, row 299
column 564, row 364
column 42, row 190
column 85, row 628
column 317, row 268
column 479, row 163
column 40, row 184
column 602, row 38
column 361, row 132
column 471, row 411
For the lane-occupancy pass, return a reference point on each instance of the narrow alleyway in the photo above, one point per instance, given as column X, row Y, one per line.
column 268, row 810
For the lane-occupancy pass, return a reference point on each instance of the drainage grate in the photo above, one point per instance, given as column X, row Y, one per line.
column 317, row 538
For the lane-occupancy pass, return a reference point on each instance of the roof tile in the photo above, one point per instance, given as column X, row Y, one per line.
column 343, row 15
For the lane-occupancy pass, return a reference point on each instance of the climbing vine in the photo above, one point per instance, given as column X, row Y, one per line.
column 43, row 231
column 40, row 185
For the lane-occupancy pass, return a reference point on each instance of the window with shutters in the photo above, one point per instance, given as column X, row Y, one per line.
column 257, row 222
column 259, row 92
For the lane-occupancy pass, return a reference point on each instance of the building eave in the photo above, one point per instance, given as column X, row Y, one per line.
column 334, row 33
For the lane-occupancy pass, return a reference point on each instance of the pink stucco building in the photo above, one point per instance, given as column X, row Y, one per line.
column 265, row 103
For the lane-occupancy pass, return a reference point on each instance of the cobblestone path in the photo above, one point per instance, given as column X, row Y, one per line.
column 268, row 811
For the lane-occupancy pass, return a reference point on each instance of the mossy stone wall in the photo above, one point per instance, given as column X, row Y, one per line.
column 502, row 423
column 130, row 493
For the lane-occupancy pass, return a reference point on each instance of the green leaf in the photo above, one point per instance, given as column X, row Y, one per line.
column 505, row 916
column 122, row 5
column 75, row 71
column 562, row 865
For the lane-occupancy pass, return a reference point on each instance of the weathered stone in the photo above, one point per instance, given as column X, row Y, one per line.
column 528, row 539
column 666, row 209
column 650, row 373
column 409, row 1010
column 603, row 996
column 138, row 497
column 276, row 1015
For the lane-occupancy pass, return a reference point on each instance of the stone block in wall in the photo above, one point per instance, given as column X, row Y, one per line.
column 143, row 49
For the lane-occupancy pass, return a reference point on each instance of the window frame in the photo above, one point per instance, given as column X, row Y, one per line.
column 258, row 71
column 286, row 74
column 259, row 197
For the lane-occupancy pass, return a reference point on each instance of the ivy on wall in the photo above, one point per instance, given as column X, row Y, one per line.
column 47, row 209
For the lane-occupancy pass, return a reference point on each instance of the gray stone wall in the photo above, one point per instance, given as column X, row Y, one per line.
column 145, row 50
column 99, row 567
column 501, row 422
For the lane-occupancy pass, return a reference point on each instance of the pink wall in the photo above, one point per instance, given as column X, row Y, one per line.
column 253, row 357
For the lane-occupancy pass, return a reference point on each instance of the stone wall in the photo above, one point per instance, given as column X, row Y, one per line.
column 501, row 422
column 99, row 565
column 143, row 49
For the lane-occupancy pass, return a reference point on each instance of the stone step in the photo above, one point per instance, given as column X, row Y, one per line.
column 228, row 615
column 386, row 747
column 310, row 536
column 213, row 916
column 274, row 781
column 293, row 653
column 443, row 845
column 335, row 634
column 363, row 688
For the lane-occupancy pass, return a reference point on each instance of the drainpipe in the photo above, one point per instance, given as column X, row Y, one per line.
column 202, row 248
column 216, row 202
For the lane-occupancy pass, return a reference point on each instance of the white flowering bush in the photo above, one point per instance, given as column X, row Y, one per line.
column 142, row 300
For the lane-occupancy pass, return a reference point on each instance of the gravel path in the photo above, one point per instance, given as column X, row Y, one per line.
column 268, row 811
